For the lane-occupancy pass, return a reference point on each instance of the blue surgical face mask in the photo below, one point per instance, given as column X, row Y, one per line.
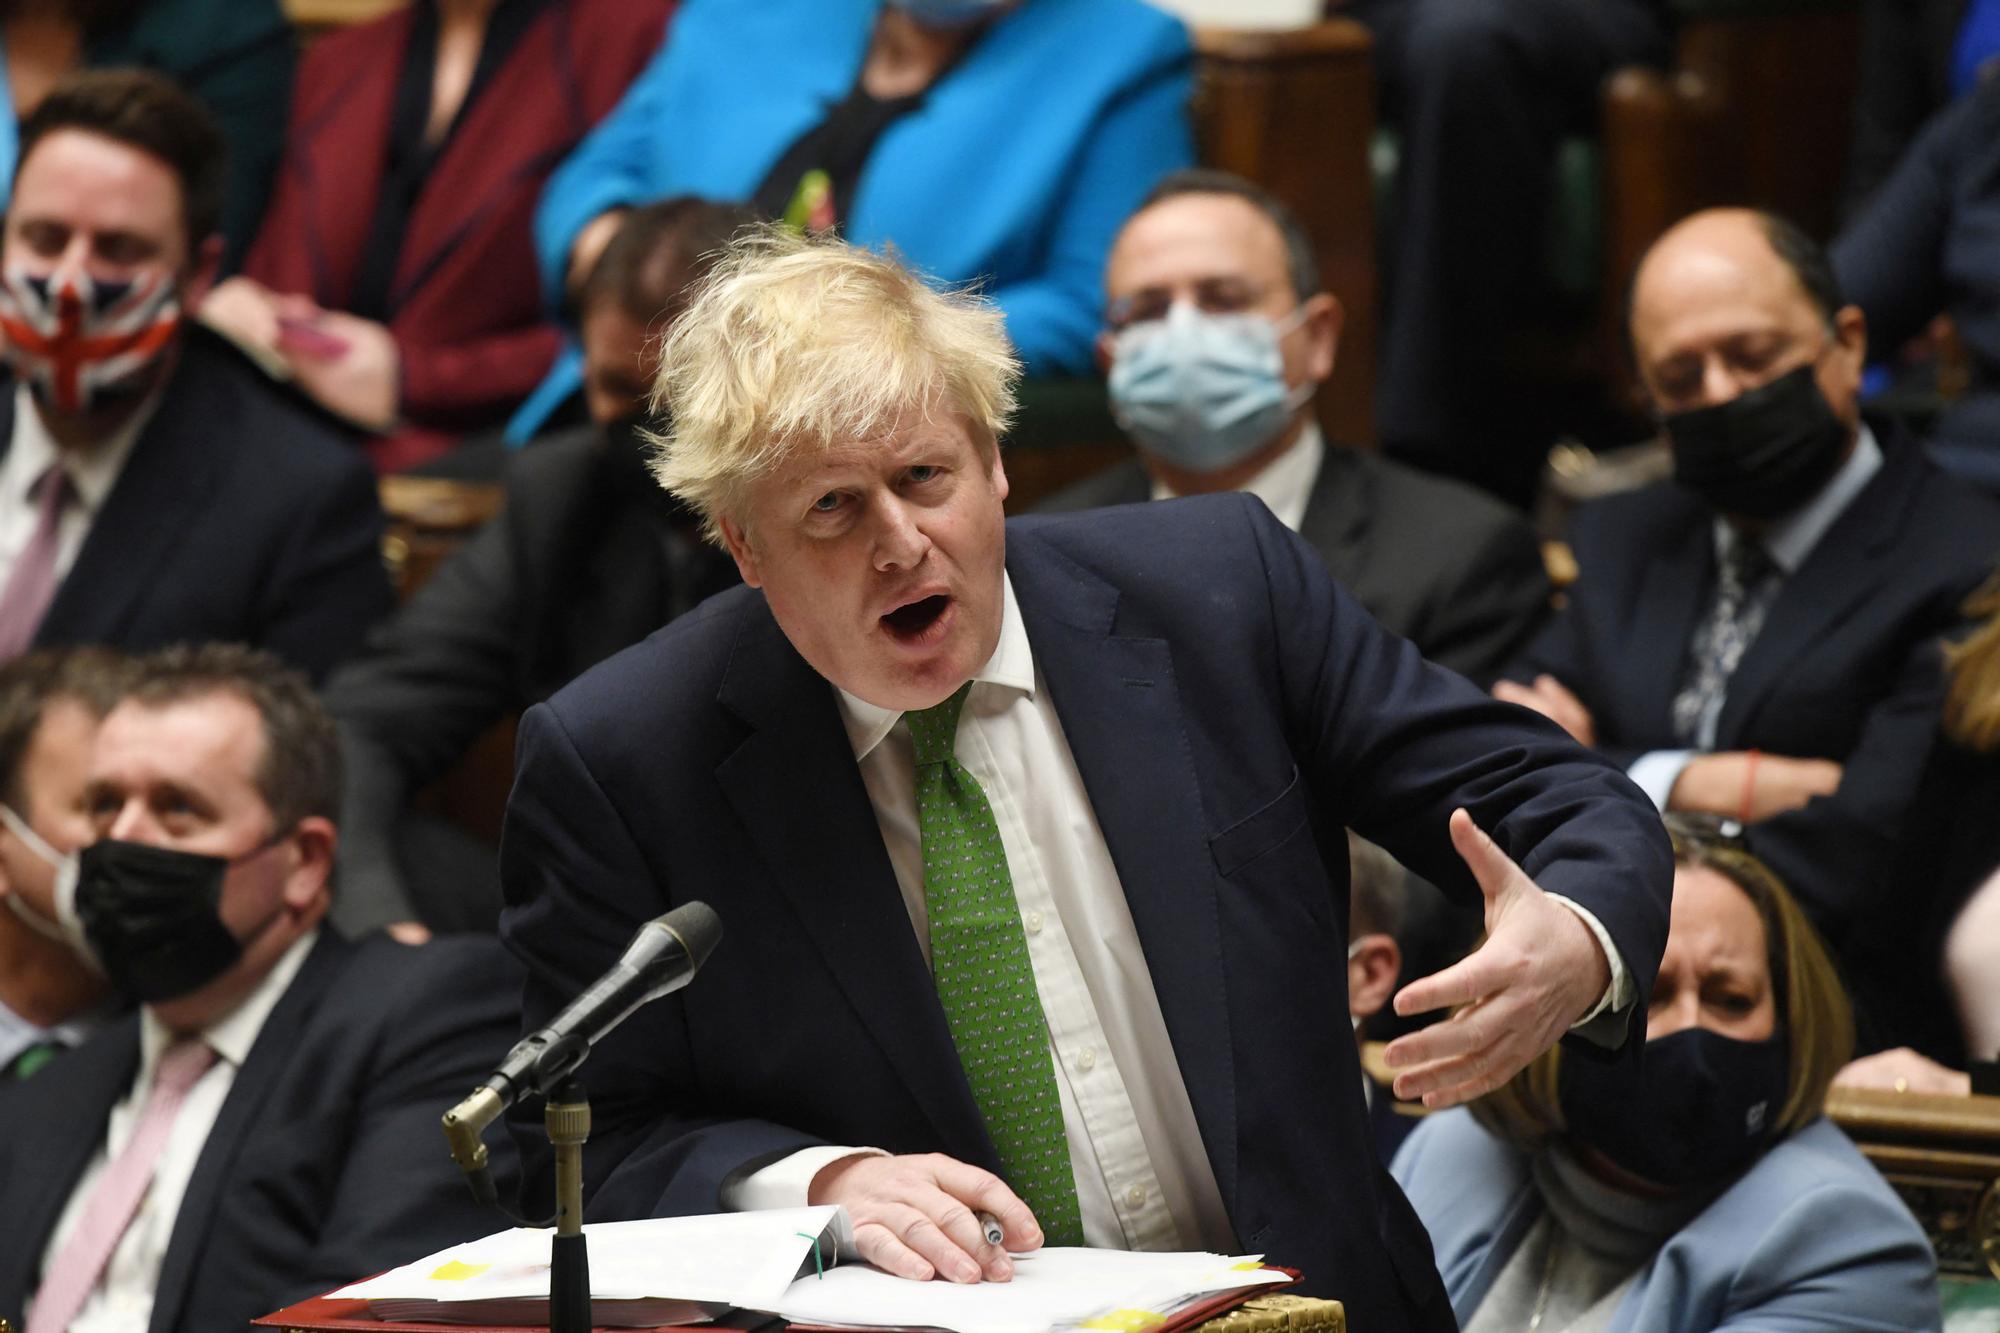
column 949, row 13
column 1203, row 392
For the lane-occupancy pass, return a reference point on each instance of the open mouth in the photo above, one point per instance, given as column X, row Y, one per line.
column 911, row 622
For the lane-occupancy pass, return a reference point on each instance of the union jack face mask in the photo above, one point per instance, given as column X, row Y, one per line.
column 78, row 342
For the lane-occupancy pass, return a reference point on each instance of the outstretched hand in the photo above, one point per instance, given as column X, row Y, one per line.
column 1539, row 971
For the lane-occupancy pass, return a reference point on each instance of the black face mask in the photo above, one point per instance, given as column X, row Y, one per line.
column 1764, row 453
column 152, row 916
column 1695, row 1108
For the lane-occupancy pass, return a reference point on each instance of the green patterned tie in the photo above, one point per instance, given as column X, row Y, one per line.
column 31, row 1059
column 979, row 959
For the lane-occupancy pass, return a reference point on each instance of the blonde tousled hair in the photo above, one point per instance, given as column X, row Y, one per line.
column 794, row 344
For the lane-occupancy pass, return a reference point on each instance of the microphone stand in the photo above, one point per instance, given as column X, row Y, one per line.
column 567, row 1116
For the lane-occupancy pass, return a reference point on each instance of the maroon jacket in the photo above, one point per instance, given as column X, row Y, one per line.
column 467, row 310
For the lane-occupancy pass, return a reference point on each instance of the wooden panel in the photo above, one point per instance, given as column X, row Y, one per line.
column 1294, row 111
column 332, row 13
column 1942, row 1154
column 428, row 519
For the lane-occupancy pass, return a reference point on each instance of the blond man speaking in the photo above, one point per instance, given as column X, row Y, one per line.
column 1028, row 835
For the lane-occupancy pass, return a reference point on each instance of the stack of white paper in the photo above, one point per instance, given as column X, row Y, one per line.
column 1051, row 1289
column 671, row 1270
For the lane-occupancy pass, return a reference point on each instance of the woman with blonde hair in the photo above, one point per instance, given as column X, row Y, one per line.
column 1693, row 1183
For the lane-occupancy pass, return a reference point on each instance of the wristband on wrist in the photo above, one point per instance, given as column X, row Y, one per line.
column 1749, row 783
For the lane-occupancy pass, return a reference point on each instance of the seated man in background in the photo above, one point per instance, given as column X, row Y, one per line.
column 1218, row 334
column 1761, row 639
column 588, row 555
column 1375, row 886
column 155, row 487
column 50, row 705
column 266, row 1125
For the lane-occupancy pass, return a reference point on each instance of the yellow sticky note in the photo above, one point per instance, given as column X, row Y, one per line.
column 457, row 1272
column 1124, row 1321
column 1247, row 1266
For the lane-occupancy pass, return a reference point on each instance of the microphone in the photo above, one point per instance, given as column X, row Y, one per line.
column 663, row 956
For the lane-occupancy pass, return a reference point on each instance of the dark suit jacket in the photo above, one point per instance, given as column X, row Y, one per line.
column 1906, row 54
column 466, row 307
column 1847, row 666
column 576, row 566
column 241, row 515
column 326, row 1164
column 1228, row 726
column 1445, row 566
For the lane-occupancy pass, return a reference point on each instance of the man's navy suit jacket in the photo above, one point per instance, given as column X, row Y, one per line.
column 1230, row 710
column 325, row 1164
column 1848, row 665
column 242, row 515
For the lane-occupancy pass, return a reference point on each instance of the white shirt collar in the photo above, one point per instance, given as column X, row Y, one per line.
column 1792, row 538
column 1011, row 667
column 232, row 1035
column 1285, row 483
column 93, row 469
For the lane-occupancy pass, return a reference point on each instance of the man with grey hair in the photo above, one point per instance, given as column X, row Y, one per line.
column 1020, row 832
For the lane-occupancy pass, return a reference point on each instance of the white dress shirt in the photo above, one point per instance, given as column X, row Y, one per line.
column 1143, row 1178
column 93, row 471
column 1285, row 483
column 123, row 1299
column 1789, row 542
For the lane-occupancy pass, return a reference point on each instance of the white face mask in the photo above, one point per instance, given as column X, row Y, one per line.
column 67, row 928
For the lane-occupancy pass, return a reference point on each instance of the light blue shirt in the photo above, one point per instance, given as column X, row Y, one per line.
column 1789, row 542
column 17, row 1034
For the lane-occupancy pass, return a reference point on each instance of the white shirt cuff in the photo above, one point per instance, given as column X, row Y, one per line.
column 1605, row 1023
column 785, row 1182
column 1656, row 772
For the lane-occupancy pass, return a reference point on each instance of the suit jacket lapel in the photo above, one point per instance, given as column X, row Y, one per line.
column 795, row 785
column 261, row 1072
column 1842, row 569
column 1121, row 714
column 1673, row 590
column 92, row 1079
column 163, row 486
column 1337, row 511
column 463, row 189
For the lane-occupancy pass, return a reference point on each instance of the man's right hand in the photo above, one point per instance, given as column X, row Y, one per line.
column 1714, row 784
column 916, row 1216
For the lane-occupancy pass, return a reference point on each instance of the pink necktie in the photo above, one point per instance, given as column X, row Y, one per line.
column 32, row 585
column 116, row 1196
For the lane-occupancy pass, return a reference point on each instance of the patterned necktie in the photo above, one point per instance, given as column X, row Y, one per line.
column 115, row 1198
column 1744, row 577
column 979, row 960
column 32, row 584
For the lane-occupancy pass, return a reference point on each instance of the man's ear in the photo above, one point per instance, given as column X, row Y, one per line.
column 738, row 543
column 311, row 877
column 205, row 267
column 1850, row 331
column 1102, row 346
column 1325, row 318
column 1372, row 973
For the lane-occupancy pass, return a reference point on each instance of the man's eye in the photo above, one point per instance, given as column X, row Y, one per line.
column 827, row 503
column 923, row 472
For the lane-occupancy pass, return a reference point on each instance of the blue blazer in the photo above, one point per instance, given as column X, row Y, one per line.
column 1811, row 1238
column 1018, row 169
column 1227, row 724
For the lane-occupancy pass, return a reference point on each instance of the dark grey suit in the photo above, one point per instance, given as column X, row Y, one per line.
column 1455, row 572
column 325, row 1164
